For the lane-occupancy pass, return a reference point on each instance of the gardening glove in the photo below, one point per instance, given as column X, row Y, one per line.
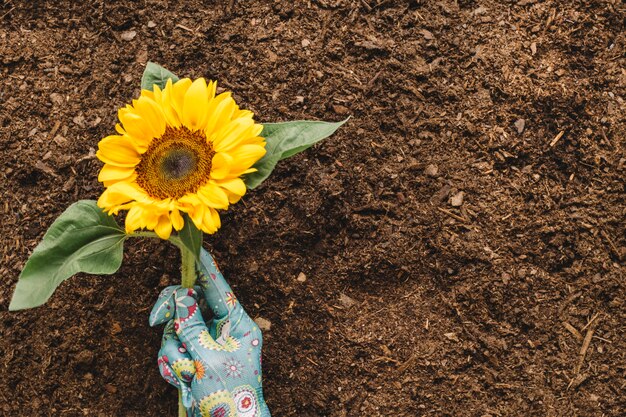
column 216, row 366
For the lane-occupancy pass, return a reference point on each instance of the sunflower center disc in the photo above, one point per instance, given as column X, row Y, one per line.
column 177, row 163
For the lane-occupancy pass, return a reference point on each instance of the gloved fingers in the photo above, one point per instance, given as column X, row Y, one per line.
column 188, row 327
column 221, row 337
column 181, row 305
column 218, row 294
column 175, row 364
column 169, row 375
column 164, row 308
column 176, row 354
column 188, row 321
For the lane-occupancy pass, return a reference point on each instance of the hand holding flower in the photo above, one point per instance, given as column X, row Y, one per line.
column 216, row 365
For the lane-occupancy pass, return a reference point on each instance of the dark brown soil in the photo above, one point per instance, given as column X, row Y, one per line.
column 415, row 302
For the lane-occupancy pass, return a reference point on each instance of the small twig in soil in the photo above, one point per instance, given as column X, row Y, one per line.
column 409, row 294
column 371, row 82
column 378, row 311
column 603, row 339
column 583, row 351
column 611, row 244
column 312, row 361
column 557, row 138
column 606, row 138
column 54, row 130
column 454, row 216
column 578, row 379
column 3, row 16
column 408, row 363
column 385, row 359
column 90, row 155
column 380, row 4
column 184, row 28
column 573, row 331
column 590, row 322
column 585, row 346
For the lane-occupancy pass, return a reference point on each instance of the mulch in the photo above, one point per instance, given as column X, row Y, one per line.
column 456, row 249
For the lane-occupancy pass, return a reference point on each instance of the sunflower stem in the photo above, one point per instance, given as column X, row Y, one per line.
column 182, row 411
column 188, row 267
column 188, row 279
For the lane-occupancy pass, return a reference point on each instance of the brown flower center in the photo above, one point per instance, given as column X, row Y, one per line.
column 177, row 163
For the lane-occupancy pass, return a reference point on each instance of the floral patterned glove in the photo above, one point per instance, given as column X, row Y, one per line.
column 217, row 368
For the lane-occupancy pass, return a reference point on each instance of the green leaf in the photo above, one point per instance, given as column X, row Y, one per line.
column 82, row 239
column 156, row 74
column 191, row 237
column 285, row 140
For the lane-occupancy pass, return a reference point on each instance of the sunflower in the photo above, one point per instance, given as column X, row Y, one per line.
column 180, row 149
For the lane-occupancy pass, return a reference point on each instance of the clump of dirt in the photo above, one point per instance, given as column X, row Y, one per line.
column 462, row 237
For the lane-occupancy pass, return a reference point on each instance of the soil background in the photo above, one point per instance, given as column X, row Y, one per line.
column 418, row 300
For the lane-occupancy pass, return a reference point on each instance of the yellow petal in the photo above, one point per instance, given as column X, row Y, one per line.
column 192, row 205
column 169, row 112
column 177, row 95
column 136, row 127
column 208, row 223
column 121, row 193
column 220, row 165
column 151, row 113
column 220, row 111
column 115, row 210
column 235, row 186
column 112, row 173
column 134, row 219
column 239, row 114
column 232, row 134
column 255, row 140
column 148, row 93
column 156, row 93
column 210, row 92
column 213, row 196
column 164, row 227
column 233, row 198
column 195, row 105
column 150, row 218
column 177, row 219
column 254, row 137
column 197, row 215
column 216, row 219
column 244, row 157
column 117, row 150
column 190, row 200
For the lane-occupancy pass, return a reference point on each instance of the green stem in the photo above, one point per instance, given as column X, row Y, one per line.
column 188, row 279
column 188, row 267
column 182, row 411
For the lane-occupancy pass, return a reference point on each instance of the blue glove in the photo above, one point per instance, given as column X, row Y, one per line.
column 217, row 368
